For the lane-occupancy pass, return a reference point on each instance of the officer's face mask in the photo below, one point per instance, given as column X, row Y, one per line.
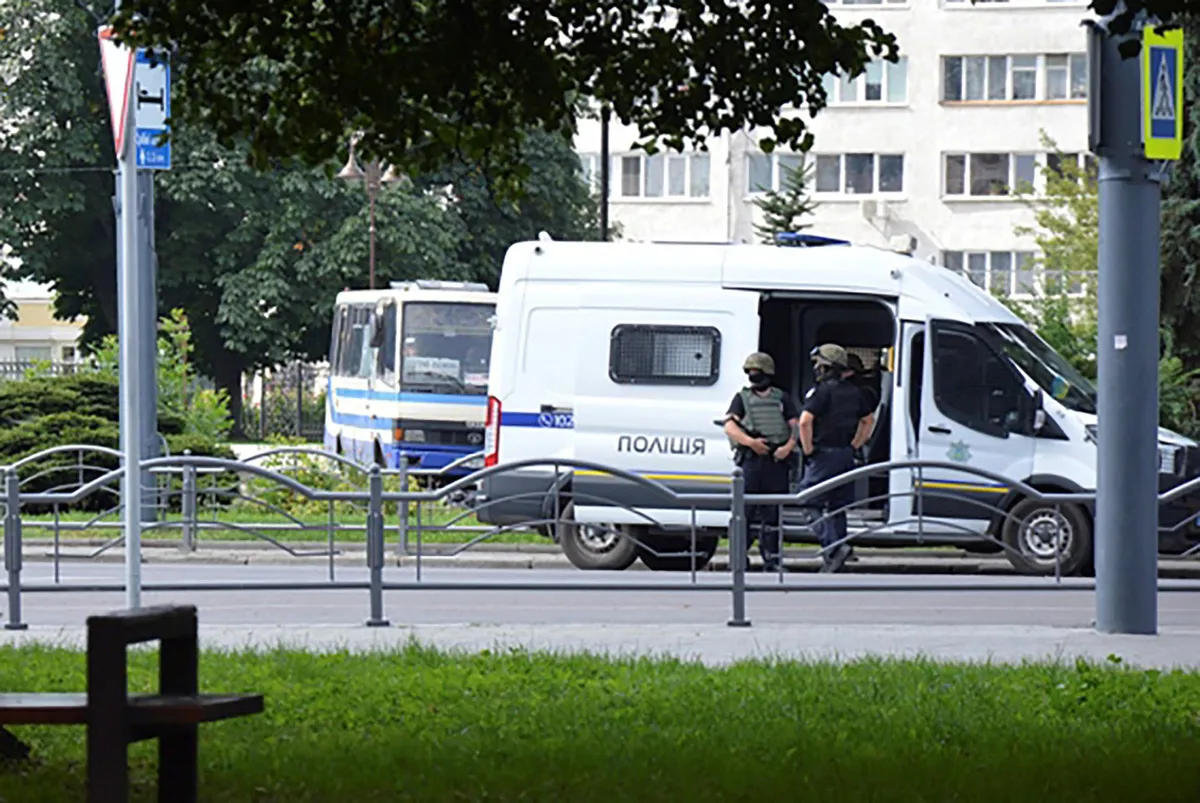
column 758, row 380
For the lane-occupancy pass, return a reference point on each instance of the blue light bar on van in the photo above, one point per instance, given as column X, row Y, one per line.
column 795, row 239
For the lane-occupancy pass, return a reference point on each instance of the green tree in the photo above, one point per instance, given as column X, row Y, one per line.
column 784, row 210
column 254, row 258
column 1180, row 252
column 431, row 83
column 1067, row 232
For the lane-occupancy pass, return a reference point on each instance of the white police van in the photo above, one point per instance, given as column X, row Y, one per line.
column 625, row 353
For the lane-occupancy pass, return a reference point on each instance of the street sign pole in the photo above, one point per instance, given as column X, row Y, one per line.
column 1135, row 120
column 129, row 314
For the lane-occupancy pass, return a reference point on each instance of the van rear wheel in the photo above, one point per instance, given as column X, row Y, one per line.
column 595, row 547
column 1034, row 531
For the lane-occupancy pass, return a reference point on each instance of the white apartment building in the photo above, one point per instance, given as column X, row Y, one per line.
column 930, row 148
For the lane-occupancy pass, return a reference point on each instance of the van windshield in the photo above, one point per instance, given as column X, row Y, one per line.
column 446, row 347
column 1045, row 366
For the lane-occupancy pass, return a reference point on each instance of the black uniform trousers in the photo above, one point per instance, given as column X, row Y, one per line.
column 765, row 475
column 824, row 464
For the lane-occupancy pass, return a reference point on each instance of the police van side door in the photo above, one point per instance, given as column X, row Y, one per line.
column 654, row 371
column 973, row 408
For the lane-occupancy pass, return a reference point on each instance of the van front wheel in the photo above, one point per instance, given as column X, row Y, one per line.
column 1034, row 531
column 595, row 547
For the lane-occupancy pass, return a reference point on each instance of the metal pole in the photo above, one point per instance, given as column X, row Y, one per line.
column 402, row 546
column 605, row 116
column 1127, row 486
column 12, row 549
column 188, row 506
column 375, row 548
column 737, row 549
column 129, row 317
column 299, row 399
column 148, row 337
column 372, row 171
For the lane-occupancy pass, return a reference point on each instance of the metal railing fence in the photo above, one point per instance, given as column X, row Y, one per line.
column 276, row 482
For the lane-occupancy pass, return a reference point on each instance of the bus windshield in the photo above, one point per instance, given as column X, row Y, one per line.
column 446, row 347
column 1045, row 366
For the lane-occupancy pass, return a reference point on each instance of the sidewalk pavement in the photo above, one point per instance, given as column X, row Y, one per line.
column 525, row 556
column 714, row 645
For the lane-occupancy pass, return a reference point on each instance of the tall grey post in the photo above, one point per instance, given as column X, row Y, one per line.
column 12, row 549
column 1127, row 486
column 375, row 548
column 130, row 359
column 148, row 333
column 147, row 340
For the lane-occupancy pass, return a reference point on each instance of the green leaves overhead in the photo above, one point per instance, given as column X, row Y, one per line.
column 429, row 83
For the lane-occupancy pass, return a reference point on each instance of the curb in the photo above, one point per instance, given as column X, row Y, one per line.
column 356, row 558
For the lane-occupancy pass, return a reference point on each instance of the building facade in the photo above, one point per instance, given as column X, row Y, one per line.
column 36, row 336
column 928, row 151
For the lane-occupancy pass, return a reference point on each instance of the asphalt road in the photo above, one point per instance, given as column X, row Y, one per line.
column 859, row 600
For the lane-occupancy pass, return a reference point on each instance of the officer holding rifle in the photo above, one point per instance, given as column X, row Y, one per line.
column 762, row 423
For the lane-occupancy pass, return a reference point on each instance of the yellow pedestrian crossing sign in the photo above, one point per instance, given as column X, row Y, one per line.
column 1162, row 93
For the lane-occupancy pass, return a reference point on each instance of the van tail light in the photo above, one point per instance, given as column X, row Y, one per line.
column 491, row 433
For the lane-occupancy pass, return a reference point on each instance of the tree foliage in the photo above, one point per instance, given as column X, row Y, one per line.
column 1067, row 232
column 252, row 257
column 784, row 210
column 431, row 83
column 1180, row 254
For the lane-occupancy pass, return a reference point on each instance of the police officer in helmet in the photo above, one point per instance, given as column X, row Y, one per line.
column 836, row 419
column 761, row 421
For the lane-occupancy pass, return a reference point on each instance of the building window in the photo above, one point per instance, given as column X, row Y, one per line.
column 767, row 172
column 1082, row 161
column 860, row 173
column 664, row 355
column 589, row 170
column 32, row 353
column 966, row 4
column 1026, row 78
column 663, row 175
column 988, row 174
column 1011, row 273
column 883, row 82
column 68, row 354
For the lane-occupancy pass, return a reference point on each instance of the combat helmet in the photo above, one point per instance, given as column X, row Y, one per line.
column 759, row 361
column 830, row 354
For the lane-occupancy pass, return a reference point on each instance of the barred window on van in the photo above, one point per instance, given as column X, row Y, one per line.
column 664, row 355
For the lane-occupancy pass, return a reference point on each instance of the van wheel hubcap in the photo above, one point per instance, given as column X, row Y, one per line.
column 598, row 539
column 1039, row 533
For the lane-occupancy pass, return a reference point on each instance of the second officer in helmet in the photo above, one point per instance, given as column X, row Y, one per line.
column 762, row 421
column 835, row 421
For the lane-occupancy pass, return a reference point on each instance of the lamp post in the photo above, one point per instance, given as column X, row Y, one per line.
column 373, row 177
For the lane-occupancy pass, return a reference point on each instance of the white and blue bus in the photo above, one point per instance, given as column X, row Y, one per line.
column 408, row 374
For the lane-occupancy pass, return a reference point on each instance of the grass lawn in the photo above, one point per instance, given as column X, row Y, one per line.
column 423, row 726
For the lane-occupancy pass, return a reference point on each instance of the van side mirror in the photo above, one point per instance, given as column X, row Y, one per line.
column 1037, row 417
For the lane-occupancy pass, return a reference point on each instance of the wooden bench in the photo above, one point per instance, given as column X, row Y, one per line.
column 115, row 719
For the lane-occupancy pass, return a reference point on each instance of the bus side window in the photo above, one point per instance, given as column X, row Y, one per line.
column 336, row 351
column 386, row 357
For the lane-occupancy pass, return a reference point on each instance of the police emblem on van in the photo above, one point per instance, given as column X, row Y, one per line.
column 959, row 452
column 658, row 444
